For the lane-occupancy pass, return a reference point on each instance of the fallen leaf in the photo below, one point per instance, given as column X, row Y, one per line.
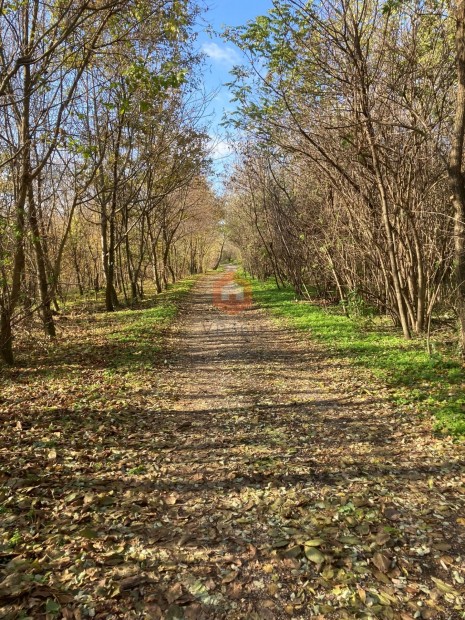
column 129, row 583
column 314, row 542
column 231, row 576
column 444, row 587
column 175, row 612
column 314, row 555
column 381, row 562
column 88, row 532
column 15, row 585
column 174, row 593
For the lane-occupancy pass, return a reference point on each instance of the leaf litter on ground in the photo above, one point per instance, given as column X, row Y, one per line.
column 236, row 480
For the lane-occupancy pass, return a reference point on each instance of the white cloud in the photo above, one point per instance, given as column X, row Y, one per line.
column 222, row 54
column 220, row 149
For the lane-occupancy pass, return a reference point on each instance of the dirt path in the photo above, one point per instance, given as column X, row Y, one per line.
column 278, row 445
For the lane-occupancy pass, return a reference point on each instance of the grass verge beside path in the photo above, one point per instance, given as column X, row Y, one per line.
column 100, row 363
column 124, row 343
column 429, row 385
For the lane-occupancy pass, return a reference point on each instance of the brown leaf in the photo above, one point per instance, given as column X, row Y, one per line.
column 15, row 585
column 252, row 551
column 382, row 538
column 235, row 591
column 230, row 577
column 193, row 612
column 382, row 562
column 129, row 583
column 392, row 514
column 174, row 593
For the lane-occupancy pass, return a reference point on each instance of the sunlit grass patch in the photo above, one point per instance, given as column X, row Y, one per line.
column 428, row 384
column 99, row 361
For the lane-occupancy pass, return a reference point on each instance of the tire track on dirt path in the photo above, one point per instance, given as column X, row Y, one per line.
column 289, row 496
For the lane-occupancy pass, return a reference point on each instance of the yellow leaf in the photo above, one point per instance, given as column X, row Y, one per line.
column 314, row 542
column 444, row 587
column 362, row 594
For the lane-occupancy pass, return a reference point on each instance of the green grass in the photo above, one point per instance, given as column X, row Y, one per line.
column 140, row 331
column 100, row 363
column 428, row 384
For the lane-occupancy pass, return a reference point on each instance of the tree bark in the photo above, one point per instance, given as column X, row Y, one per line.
column 10, row 298
column 456, row 175
column 45, row 297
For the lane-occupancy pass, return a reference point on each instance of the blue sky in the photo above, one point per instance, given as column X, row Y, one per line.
column 221, row 57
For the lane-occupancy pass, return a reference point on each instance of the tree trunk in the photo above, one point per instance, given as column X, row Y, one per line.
column 10, row 298
column 108, row 260
column 45, row 299
column 6, row 337
column 218, row 262
column 77, row 271
column 456, row 176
